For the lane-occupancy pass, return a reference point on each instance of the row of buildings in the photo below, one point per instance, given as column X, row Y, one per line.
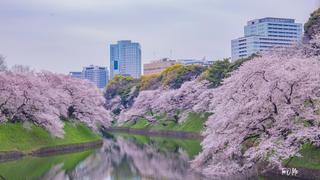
column 125, row 60
column 259, row 35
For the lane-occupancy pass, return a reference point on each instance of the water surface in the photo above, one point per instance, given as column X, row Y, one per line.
column 122, row 156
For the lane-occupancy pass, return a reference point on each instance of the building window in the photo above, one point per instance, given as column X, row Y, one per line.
column 116, row 66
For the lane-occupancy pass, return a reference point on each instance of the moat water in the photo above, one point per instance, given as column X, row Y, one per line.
column 121, row 157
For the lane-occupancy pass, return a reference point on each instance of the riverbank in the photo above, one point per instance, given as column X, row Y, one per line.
column 189, row 128
column 18, row 140
column 155, row 132
column 194, row 123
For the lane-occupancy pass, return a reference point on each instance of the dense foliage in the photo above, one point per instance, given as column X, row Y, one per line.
column 312, row 27
column 46, row 99
column 124, row 87
column 221, row 69
column 122, row 91
column 172, row 77
column 150, row 82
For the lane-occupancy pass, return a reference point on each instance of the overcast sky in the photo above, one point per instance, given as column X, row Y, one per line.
column 64, row 35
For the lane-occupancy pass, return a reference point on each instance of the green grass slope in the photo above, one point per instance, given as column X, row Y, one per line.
column 16, row 137
column 310, row 158
column 193, row 123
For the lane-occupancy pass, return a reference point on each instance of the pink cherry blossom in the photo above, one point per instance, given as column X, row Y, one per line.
column 46, row 99
column 273, row 100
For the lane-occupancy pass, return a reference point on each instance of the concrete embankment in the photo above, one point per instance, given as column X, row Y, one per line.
column 155, row 132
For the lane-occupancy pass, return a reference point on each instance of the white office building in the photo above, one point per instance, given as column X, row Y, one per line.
column 96, row 74
column 264, row 34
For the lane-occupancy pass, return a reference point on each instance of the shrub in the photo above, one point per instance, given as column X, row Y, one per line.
column 174, row 76
column 150, row 82
column 124, row 86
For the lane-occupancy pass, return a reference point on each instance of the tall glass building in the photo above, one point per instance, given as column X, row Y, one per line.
column 125, row 59
column 96, row 74
column 263, row 34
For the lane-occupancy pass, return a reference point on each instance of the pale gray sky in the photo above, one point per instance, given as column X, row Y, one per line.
column 64, row 35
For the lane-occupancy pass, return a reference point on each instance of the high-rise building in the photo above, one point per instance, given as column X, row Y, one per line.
column 263, row 34
column 96, row 74
column 157, row 66
column 125, row 59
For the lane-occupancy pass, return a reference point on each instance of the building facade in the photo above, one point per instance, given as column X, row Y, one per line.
column 96, row 74
column 264, row 34
column 76, row 75
column 202, row 62
column 125, row 59
column 157, row 66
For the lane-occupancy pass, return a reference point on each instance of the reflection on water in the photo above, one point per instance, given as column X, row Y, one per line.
column 120, row 157
column 138, row 158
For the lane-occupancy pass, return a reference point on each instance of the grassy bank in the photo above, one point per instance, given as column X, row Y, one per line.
column 17, row 137
column 310, row 158
column 193, row 123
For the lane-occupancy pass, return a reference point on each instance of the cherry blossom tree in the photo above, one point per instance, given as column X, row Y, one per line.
column 154, row 102
column 46, row 99
column 79, row 99
column 265, row 111
column 24, row 97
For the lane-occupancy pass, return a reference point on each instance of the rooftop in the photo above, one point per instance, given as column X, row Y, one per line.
column 272, row 19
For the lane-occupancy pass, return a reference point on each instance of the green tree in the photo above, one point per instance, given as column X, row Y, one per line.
column 312, row 26
column 217, row 72
column 222, row 68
